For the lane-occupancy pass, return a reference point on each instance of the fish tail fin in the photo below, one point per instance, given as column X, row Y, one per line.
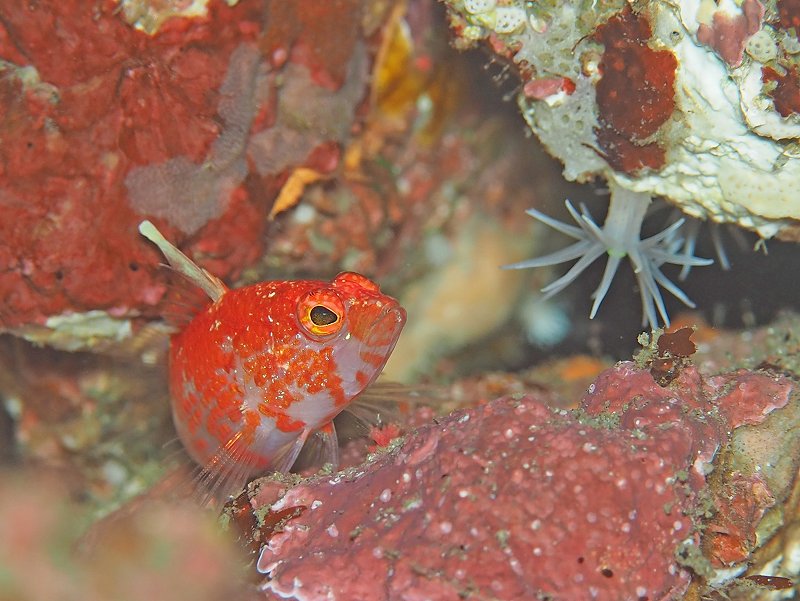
column 198, row 276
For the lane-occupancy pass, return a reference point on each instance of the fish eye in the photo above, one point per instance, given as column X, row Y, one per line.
column 321, row 312
column 322, row 316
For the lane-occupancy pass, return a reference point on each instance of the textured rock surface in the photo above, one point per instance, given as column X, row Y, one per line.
column 513, row 499
column 267, row 140
column 197, row 126
column 74, row 130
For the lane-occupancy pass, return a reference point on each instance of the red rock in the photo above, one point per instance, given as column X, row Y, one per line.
column 69, row 235
column 741, row 502
column 626, row 156
column 512, row 499
column 476, row 507
column 789, row 12
column 642, row 404
column 786, row 91
column 304, row 29
column 159, row 126
column 727, row 34
column 635, row 95
column 746, row 397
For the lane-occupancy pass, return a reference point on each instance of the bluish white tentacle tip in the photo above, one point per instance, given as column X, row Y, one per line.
column 619, row 238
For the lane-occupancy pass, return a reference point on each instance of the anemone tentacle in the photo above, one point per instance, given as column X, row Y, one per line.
column 692, row 232
column 619, row 238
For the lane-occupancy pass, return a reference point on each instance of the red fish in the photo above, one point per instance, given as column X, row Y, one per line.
column 264, row 367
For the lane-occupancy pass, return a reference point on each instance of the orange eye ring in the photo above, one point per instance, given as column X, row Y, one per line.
column 321, row 313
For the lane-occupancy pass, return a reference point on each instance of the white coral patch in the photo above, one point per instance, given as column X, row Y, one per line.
column 762, row 46
column 476, row 7
column 727, row 150
column 509, row 19
column 771, row 193
column 727, row 165
column 759, row 109
column 92, row 330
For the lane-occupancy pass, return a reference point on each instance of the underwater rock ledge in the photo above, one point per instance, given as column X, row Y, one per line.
column 513, row 499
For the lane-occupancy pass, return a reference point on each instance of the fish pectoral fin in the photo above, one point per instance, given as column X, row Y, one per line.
column 329, row 451
column 285, row 458
column 322, row 448
column 198, row 276
column 224, row 474
column 386, row 402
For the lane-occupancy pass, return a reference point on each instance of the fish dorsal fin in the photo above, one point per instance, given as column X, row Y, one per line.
column 198, row 276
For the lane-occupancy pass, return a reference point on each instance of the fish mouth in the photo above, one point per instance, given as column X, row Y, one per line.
column 372, row 339
column 385, row 329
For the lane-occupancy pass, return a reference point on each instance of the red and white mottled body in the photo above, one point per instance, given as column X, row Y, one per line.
column 265, row 366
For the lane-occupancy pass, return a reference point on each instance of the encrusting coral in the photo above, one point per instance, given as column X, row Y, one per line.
column 695, row 102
